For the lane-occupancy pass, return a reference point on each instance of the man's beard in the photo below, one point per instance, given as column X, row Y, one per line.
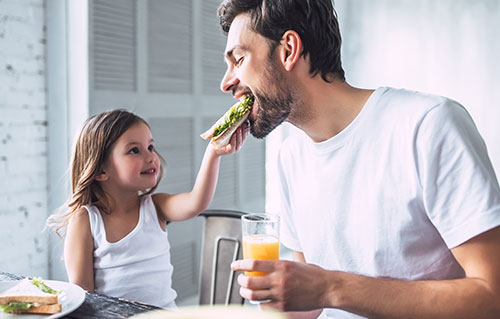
column 273, row 110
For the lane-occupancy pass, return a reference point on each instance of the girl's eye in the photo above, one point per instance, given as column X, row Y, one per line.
column 151, row 148
column 134, row 150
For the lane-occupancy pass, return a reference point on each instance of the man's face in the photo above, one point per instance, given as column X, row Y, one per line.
column 251, row 69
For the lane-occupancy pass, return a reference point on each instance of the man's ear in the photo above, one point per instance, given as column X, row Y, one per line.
column 102, row 177
column 291, row 48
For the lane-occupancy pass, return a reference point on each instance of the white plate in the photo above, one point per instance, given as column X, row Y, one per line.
column 71, row 297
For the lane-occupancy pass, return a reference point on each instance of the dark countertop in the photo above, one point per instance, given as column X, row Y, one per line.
column 98, row 305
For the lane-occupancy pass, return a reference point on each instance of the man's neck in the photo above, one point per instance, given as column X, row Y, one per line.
column 327, row 108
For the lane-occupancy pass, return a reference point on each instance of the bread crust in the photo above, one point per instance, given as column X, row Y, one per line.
column 43, row 300
column 45, row 309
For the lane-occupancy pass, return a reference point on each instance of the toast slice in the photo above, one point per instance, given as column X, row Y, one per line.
column 26, row 292
column 210, row 132
column 225, row 136
column 222, row 130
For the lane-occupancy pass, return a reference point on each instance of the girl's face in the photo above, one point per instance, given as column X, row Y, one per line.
column 133, row 164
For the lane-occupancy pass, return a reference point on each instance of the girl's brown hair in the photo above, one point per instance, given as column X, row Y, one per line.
column 90, row 153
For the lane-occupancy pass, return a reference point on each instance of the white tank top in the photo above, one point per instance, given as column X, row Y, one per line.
column 137, row 267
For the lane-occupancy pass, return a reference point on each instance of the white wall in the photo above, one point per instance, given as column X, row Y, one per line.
column 23, row 138
column 446, row 47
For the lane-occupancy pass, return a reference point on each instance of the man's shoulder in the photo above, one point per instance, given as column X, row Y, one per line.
column 404, row 103
column 411, row 97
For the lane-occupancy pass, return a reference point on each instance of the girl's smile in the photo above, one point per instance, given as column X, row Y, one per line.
column 150, row 171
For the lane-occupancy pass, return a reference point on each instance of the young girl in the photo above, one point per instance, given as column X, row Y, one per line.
column 116, row 240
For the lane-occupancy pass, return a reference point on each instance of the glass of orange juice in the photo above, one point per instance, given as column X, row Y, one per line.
column 260, row 234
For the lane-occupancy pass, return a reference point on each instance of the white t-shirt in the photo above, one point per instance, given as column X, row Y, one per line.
column 137, row 267
column 388, row 196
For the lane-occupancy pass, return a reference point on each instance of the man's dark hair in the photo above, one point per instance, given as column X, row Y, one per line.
column 314, row 20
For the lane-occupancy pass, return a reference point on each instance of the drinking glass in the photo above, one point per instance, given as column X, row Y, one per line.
column 260, row 234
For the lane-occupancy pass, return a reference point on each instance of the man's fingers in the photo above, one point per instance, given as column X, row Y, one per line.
column 253, row 265
column 254, row 282
column 254, row 294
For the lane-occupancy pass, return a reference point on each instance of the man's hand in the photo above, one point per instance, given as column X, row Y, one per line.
column 289, row 285
column 301, row 286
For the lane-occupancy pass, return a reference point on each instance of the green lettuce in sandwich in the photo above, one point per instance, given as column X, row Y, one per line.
column 223, row 129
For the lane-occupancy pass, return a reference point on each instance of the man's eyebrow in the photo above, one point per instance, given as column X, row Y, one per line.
column 229, row 53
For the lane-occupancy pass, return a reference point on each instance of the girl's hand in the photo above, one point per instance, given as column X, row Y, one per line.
column 236, row 142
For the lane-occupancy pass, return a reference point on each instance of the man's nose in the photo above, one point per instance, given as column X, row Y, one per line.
column 229, row 81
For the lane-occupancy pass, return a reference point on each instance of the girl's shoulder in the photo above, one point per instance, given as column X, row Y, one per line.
column 159, row 198
column 79, row 226
column 80, row 218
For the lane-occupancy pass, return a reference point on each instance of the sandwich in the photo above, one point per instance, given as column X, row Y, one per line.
column 30, row 296
column 223, row 129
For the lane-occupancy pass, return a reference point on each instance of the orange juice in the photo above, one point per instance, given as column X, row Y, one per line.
column 260, row 247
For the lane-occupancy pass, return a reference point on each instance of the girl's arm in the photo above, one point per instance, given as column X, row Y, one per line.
column 79, row 251
column 182, row 206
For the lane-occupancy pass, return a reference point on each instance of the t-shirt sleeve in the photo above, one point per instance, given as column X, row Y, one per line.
column 288, row 233
column 460, row 190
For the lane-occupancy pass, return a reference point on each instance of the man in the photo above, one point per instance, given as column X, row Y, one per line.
column 390, row 202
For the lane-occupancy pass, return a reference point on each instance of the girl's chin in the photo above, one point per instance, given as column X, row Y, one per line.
column 148, row 186
column 146, row 189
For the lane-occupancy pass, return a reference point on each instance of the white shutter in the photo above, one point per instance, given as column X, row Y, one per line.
column 252, row 175
column 213, row 48
column 169, row 46
column 173, row 140
column 113, row 25
column 185, row 276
